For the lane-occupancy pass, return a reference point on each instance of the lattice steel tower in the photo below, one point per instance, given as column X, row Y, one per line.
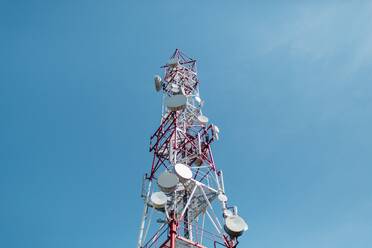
column 185, row 204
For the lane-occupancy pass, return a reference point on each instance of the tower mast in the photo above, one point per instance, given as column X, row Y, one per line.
column 185, row 204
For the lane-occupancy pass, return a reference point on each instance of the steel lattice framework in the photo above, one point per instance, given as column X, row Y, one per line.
column 196, row 211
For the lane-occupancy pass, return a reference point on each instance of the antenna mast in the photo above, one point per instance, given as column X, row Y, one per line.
column 185, row 204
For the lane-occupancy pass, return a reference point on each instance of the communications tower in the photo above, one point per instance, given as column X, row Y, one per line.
column 185, row 204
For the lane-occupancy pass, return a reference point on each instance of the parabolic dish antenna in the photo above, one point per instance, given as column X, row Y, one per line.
column 175, row 102
column 157, row 80
column 235, row 225
column 158, row 200
column 222, row 197
column 183, row 90
column 216, row 129
column 167, row 182
column 203, row 119
column 183, row 172
column 198, row 99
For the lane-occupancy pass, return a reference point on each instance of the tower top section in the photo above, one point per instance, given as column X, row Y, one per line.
column 180, row 58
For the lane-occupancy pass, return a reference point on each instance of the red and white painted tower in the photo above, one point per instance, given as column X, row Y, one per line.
column 185, row 204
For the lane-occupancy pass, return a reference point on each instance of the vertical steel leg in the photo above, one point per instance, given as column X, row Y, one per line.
column 144, row 215
column 173, row 231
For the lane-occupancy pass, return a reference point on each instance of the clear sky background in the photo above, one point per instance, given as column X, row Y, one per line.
column 289, row 85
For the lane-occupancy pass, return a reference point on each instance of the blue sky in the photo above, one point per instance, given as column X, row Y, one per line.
column 288, row 84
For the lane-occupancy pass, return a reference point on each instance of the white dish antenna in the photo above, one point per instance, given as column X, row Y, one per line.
column 198, row 99
column 222, row 197
column 158, row 200
column 176, row 102
column 157, row 81
column 235, row 225
column 183, row 172
column 183, row 90
column 216, row 132
column 203, row 119
column 167, row 182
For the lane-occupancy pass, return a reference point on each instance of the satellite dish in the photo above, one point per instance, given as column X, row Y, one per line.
column 157, row 80
column 167, row 182
column 222, row 197
column 203, row 119
column 216, row 132
column 183, row 90
column 198, row 99
column 176, row 102
column 235, row 225
column 216, row 129
column 158, row 200
column 183, row 172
